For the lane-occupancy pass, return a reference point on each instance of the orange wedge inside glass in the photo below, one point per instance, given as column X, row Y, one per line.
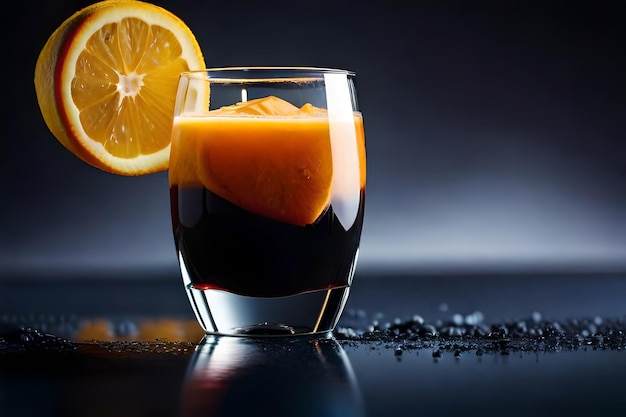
column 106, row 83
column 265, row 156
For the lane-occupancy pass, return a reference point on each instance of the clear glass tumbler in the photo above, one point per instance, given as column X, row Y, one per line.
column 267, row 186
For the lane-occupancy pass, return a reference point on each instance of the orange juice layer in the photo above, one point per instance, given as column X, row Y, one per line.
column 272, row 165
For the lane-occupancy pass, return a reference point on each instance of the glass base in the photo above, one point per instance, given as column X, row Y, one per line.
column 221, row 312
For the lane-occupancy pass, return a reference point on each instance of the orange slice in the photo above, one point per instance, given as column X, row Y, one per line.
column 106, row 83
column 265, row 156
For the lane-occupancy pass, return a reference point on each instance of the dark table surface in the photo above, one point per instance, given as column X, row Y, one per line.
column 418, row 345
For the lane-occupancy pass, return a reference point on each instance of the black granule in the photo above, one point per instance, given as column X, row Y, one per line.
column 473, row 333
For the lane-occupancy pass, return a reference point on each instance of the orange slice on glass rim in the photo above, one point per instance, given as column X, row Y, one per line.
column 106, row 83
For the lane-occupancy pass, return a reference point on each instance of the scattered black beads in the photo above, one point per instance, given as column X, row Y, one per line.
column 29, row 340
column 462, row 333
column 458, row 334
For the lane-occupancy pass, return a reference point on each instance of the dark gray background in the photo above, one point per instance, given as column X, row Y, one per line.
column 495, row 134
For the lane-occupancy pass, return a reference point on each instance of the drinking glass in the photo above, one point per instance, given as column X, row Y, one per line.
column 267, row 186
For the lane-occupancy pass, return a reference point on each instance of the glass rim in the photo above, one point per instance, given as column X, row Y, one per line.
column 280, row 71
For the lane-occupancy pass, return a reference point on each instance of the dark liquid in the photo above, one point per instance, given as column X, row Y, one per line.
column 227, row 248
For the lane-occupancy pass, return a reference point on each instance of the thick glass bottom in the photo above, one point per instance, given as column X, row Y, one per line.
column 221, row 312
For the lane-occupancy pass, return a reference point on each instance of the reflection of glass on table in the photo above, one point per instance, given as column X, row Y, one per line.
column 232, row 376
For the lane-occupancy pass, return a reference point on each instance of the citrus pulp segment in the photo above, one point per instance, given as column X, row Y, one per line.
column 266, row 156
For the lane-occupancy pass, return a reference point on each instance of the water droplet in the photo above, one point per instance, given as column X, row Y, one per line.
column 536, row 316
